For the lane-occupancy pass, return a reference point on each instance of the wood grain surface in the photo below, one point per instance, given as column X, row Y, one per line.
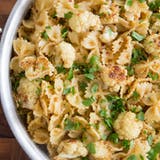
column 9, row 148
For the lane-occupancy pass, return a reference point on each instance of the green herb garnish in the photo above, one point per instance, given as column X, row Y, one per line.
column 70, row 125
column 38, row 91
column 154, row 151
column 150, row 139
column 129, row 2
column 91, row 148
column 54, row 15
column 88, row 101
column 153, row 76
column 130, row 70
column 64, row 32
column 127, row 144
column 82, row 86
column 108, row 122
column 135, row 95
column 94, row 88
column 61, row 69
column 44, row 35
column 103, row 113
column 141, row 1
column 48, row 27
column 137, row 36
column 68, row 15
column 138, row 55
column 113, row 137
column 116, row 105
column 70, row 74
column 140, row 116
column 132, row 157
column 76, row 6
column 89, row 76
column 16, row 79
column 66, row 91
column 154, row 5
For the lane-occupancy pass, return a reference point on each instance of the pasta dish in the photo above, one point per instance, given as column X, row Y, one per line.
column 86, row 78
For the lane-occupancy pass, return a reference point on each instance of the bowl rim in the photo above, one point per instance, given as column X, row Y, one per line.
column 7, row 101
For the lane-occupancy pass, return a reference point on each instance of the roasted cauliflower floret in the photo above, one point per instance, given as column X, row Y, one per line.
column 140, row 147
column 67, row 53
column 90, row 41
column 152, row 44
column 81, row 22
column 36, row 67
column 102, row 151
column 127, row 126
column 152, row 116
column 23, row 48
column 71, row 149
column 56, row 135
column 27, row 93
column 112, row 75
column 108, row 35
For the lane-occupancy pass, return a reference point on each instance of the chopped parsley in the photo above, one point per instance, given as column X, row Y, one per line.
column 16, row 79
column 64, row 32
column 104, row 137
column 154, row 5
column 76, row 6
column 70, row 125
column 116, row 105
column 91, row 148
column 132, row 157
column 82, row 86
column 127, row 144
column 54, row 15
column 46, row 78
column 113, row 137
column 94, row 60
column 38, row 91
column 70, row 74
column 129, row 2
column 68, row 15
column 88, row 101
column 66, row 91
column 94, row 88
column 137, row 36
column 135, row 95
column 154, row 77
column 108, row 122
column 140, row 116
column 157, row 15
column 138, row 55
column 130, row 70
column 150, row 139
column 103, row 113
column 141, row 1
column 141, row 157
column 44, row 35
column 89, row 76
column 48, row 27
column 61, row 69
column 154, row 151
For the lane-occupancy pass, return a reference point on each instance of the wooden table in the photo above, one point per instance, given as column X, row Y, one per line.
column 9, row 148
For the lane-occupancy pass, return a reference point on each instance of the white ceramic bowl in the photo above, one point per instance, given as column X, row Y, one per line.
column 10, row 31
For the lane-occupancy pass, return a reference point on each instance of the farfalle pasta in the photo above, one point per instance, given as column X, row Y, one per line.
column 86, row 78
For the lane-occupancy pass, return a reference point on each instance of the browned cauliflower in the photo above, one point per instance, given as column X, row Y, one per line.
column 27, row 93
column 102, row 151
column 127, row 126
column 71, row 149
